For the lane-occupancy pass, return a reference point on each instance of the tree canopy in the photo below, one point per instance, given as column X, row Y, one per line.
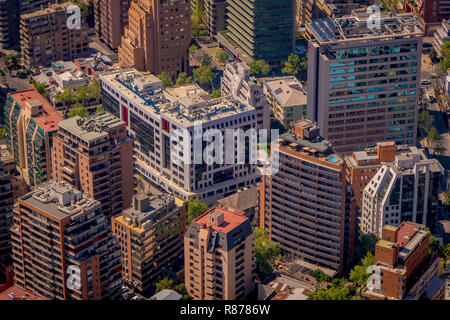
column 295, row 64
column 166, row 79
column 42, row 89
column 195, row 208
column 169, row 283
column 259, row 67
column 266, row 252
column 222, row 56
column 204, row 75
column 78, row 110
column 183, row 78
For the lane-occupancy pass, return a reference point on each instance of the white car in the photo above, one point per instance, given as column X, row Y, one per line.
column 425, row 81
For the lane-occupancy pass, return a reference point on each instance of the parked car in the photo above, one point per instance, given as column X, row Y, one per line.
column 425, row 81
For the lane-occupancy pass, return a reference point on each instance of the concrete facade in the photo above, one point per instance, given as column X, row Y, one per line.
column 111, row 17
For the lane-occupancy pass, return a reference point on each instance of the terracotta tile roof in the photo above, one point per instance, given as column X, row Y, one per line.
column 17, row 293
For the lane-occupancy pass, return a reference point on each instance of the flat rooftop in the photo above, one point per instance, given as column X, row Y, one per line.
column 92, row 127
column 17, row 293
column 47, row 9
column 48, row 120
column 58, row 199
column 287, row 90
column 355, row 26
column 156, row 100
column 231, row 220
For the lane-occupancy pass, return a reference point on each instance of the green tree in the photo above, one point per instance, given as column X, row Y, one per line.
column 65, row 97
column 195, row 208
column 2, row 133
column 204, row 75
column 320, row 276
column 42, row 89
column 434, row 138
column 78, row 110
column 259, row 67
column 193, row 49
column 433, row 55
column 359, row 273
column 266, row 252
column 166, row 79
column 221, row 56
column 425, row 120
column 183, row 78
column 445, row 52
column 365, row 243
column 99, row 109
column 216, row 93
column 164, row 283
column 294, row 64
column 205, row 60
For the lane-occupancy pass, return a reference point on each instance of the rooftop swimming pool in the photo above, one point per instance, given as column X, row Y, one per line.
column 332, row 159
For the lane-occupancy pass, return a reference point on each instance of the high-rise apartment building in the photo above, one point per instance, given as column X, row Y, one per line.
column 10, row 11
column 404, row 268
column 430, row 12
column 95, row 155
column 163, row 155
column 45, row 36
column 236, row 81
column 63, row 246
column 363, row 84
column 111, row 17
column 6, row 206
column 31, row 122
column 157, row 37
column 214, row 15
column 218, row 256
column 307, row 204
column 263, row 29
column 150, row 234
column 405, row 189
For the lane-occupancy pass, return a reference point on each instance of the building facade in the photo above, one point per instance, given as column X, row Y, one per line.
column 45, row 36
column 406, row 189
column 307, row 204
column 404, row 268
column 95, row 155
column 263, row 29
column 63, row 247
column 363, row 85
column 111, row 17
column 218, row 255
column 150, row 234
column 236, row 81
column 164, row 156
column 214, row 15
column 6, row 206
column 287, row 99
column 157, row 37
column 441, row 35
column 31, row 123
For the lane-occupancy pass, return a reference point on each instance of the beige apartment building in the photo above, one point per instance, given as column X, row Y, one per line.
column 63, row 248
column 6, row 206
column 218, row 255
column 363, row 83
column 214, row 15
column 45, row 36
column 111, row 17
column 157, row 37
column 95, row 155
column 150, row 234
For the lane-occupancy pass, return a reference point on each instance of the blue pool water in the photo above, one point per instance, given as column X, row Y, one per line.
column 332, row 159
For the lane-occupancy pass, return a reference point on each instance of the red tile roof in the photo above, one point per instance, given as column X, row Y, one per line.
column 405, row 233
column 231, row 220
column 17, row 293
column 49, row 120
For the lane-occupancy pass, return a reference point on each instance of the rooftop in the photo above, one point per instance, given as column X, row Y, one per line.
column 147, row 92
column 52, row 7
column 93, row 127
column 17, row 293
column 59, row 199
column 287, row 90
column 167, row 294
column 355, row 27
column 48, row 118
column 230, row 220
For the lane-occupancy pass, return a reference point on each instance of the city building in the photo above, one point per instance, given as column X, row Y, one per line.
column 45, row 36
column 214, row 15
column 54, row 255
column 157, row 37
column 263, row 29
column 363, row 83
column 287, row 99
column 404, row 268
column 236, row 81
column 31, row 123
column 163, row 156
column 6, row 206
column 441, row 35
column 95, row 155
column 167, row 294
column 218, row 256
column 150, row 234
column 363, row 165
column 17, row 293
column 10, row 11
column 245, row 200
column 93, row 65
column 307, row 206
column 405, row 189
column 429, row 12
column 111, row 17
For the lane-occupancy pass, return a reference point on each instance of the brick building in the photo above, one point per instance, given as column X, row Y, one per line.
column 111, row 17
